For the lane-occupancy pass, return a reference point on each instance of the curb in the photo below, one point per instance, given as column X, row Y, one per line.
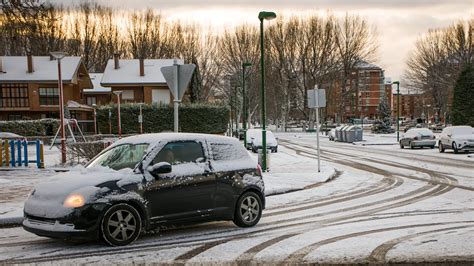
column 11, row 222
column 334, row 175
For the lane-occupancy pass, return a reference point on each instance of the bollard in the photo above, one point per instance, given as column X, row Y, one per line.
column 12, row 150
column 41, row 152
column 25, row 152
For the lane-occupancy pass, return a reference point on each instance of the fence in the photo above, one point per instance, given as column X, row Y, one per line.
column 14, row 153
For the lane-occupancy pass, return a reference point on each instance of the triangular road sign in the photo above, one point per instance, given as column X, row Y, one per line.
column 185, row 72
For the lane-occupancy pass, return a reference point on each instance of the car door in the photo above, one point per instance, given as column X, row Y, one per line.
column 188, row 191
column 444, row 137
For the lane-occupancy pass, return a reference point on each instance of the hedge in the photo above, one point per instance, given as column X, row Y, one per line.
column 26, row 128
column 198, row 118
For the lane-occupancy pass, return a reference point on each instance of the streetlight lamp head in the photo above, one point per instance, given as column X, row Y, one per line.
column 396, row 82
column 267, row 15
column 246, row 64
column 58, row 55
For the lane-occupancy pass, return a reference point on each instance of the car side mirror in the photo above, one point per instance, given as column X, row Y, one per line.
column 159, row 168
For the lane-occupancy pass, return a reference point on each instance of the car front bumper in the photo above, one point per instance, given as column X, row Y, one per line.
column 82, row 223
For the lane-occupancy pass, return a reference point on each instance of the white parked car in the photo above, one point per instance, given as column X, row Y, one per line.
column 457, row 138
column 272, row 143
column 418, row 137
column 250, row 136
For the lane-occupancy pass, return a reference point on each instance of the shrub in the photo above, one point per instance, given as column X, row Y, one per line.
column 199, row 118
column 42, row 127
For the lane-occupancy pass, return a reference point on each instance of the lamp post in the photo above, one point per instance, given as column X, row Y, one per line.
column 398, row 109
column 60, row 55
column 244, row 102
column 110, row 121
column 118, row 93
column 95, row 118
column 263, row 15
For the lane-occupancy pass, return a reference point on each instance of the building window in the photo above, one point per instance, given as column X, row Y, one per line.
column 14, row 95
column 49, row 96
column 14, row 117
column 128, row 95
column 91, row 101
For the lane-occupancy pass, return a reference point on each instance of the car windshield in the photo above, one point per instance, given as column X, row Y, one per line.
column 462, row 131
column 120, row 157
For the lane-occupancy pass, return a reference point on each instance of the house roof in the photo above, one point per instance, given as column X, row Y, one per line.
column 96, row 78
column 45, row 70
column 129, row 72
column 366, row 65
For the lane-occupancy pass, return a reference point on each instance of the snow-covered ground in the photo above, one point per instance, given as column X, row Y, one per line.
column 386, row 205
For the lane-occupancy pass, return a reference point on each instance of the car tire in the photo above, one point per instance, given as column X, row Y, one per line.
column 411, row 145
column 431, row 147
column 401, row 145
column 440, row 147
column 248, row 210
column 455, row 148
column 121, row 225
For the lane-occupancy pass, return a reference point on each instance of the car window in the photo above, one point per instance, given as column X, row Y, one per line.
column 121, row 157
column 180, row 152
column 225, row 151
column 462, row 130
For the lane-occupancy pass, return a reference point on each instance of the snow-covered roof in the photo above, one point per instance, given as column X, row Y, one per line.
column 366, row 65
column 128, row 72
column 15, row 69
column 96, row 78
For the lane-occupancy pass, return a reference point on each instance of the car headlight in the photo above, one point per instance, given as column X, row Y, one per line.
column 74, row 201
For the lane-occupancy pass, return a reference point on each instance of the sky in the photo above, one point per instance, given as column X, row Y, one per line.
column 398, row 23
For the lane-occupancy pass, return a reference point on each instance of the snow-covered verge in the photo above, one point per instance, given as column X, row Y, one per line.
column 289, row 171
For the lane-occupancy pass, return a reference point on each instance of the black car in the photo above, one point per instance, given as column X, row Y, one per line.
column 147, row 181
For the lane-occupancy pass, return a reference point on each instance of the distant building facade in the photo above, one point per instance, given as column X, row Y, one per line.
column 29, row 87
column 361, row 95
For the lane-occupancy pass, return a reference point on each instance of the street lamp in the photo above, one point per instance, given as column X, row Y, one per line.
column 95, row 118
column 398, row 109
column 264, row 15
column 58, row 56
column 118, row 93
column 244, row 102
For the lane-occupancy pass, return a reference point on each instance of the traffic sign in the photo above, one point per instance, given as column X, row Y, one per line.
column 184, row 72
column 316, row 98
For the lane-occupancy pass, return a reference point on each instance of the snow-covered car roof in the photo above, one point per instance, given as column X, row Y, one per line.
column 156, row 137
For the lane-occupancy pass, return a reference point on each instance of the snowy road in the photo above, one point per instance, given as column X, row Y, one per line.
column 386, row 205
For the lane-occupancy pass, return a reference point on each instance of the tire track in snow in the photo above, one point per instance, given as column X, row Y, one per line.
column 379, row 254
column 299, row 255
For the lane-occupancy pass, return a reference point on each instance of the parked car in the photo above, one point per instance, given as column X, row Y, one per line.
column 251, row 133
column 147, row 181
column 271, row 141
column 418, row 137
column 457, row 138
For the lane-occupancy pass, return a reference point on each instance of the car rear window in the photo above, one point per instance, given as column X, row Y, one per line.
column 227, row 151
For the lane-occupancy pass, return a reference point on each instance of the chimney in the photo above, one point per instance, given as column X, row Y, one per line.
column 29, row 59
column 142, row 67
column 116, row 61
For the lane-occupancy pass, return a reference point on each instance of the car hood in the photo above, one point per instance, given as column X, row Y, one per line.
column 46, row 199
column 463, row 137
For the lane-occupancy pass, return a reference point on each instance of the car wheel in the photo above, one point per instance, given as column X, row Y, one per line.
column 411, row 145
column 455, row 148
column 121, row 225
column 440, row 147
column 431, row 147
column 248, row 210
column 401, row 145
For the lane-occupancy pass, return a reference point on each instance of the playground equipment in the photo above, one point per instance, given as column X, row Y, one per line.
column 14, row 153
column 69, row 124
